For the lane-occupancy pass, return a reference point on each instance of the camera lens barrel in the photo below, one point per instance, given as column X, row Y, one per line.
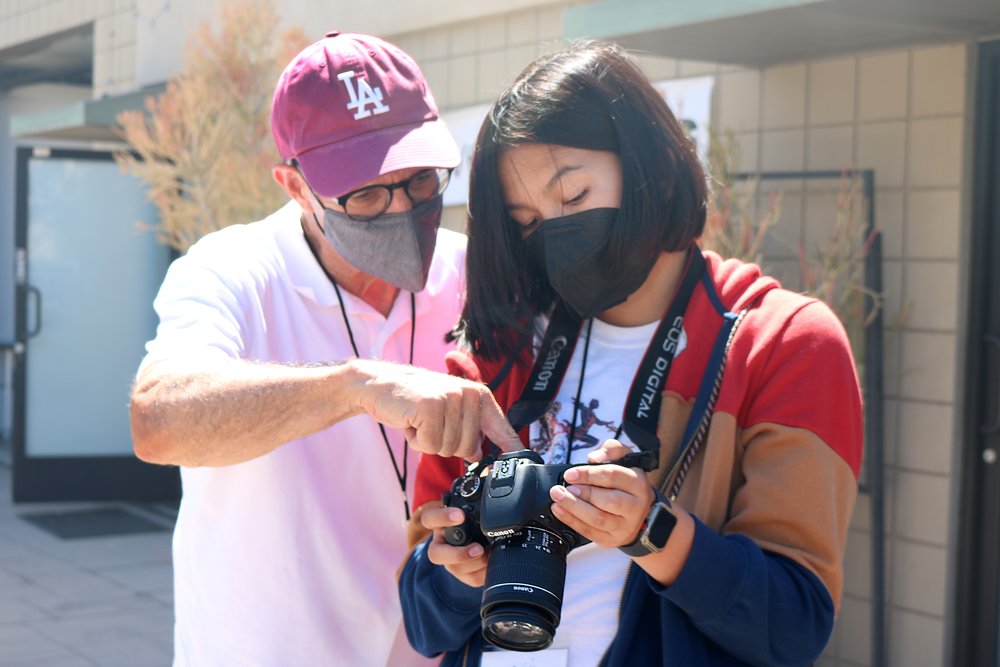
column 522, row 597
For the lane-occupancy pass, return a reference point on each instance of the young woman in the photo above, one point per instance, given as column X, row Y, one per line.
column 586, row 199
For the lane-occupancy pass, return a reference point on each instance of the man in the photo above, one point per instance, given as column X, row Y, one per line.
column 273, row 335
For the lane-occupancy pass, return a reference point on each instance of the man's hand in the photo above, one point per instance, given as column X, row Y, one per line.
column 439, row 414
column 466, row 563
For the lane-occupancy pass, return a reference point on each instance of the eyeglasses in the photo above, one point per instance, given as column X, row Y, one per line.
column 369, row 202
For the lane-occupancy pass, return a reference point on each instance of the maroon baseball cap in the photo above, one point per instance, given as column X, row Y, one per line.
column 352, row 107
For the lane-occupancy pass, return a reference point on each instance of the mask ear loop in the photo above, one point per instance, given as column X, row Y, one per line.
column 293, row 163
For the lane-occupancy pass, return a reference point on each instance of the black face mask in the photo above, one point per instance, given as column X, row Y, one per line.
column 571, row 252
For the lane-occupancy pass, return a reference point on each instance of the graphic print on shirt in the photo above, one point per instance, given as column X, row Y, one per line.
column 613, row 356
column 586, row 419
column 550, row 435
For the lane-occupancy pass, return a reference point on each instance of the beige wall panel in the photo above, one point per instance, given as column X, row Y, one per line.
column 492, row 74
column 939, row 80
column 918, row 578
column 926, row 437
column 916, row 640
column 854, row 625
column 436, row 43
column 933, row 223
column 922, row 512
column 463, row 39
column 933, row 289
column 830, row 148
column 927, row 365
column 738, row 101
column 889, row 207
column 782, row 241
column 491, row 33
column 784, row 94
column 891, row 444
column 935, row 157
column 858, row 564
column 550, row 21
column 658, row 69
column 783, row 150
column 461, row 81
column 522, row 28
column 883, row 85
column 832, row 91
column 454, row 218
column 882, row 147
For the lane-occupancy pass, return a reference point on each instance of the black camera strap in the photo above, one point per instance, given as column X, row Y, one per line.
column 642, row 407
column 549, row 369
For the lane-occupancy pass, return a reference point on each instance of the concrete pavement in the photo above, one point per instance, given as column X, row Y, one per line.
column 83, row 602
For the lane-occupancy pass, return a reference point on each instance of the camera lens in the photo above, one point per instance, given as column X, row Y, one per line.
column 522, row 598
column 527, row 635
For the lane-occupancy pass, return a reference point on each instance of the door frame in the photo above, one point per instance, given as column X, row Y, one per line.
column 94, row 478
column 977, row 601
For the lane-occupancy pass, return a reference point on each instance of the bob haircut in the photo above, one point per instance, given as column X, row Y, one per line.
column 590, row 95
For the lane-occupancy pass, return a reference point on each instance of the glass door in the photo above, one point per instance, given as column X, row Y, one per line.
column 86, row 278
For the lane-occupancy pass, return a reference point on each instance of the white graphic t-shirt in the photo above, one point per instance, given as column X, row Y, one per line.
column 595, row 575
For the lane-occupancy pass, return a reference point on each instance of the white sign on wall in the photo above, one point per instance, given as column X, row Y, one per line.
column 691, row 102
column 464, row 126
column 689, row 99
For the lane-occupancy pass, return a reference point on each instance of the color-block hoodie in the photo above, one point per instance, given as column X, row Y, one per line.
column 772, row 491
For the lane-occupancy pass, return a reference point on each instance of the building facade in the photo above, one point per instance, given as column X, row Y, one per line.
column 907, row 90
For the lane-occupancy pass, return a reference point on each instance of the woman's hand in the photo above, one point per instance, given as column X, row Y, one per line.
column 606, row 504
column 466, row 563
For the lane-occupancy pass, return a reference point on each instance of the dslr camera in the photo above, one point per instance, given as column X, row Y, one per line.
column 508, row 510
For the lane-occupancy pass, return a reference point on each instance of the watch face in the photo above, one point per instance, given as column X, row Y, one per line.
column 661, row 524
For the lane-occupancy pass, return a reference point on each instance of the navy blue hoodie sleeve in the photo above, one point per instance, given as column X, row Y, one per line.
column 765, row 609
column 439, row 611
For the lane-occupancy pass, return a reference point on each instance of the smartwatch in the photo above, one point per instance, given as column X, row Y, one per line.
column 655, row 529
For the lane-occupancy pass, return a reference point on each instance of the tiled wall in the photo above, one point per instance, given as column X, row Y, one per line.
column 114, row 33
column 903, row 114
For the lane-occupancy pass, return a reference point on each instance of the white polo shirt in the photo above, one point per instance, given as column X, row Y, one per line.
column 290, row 559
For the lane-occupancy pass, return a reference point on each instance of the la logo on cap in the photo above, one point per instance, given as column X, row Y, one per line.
column 362, row 96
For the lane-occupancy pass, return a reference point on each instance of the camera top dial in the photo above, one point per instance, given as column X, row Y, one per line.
column 469, row 487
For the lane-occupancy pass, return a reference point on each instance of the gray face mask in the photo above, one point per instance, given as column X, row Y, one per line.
column 396, row 247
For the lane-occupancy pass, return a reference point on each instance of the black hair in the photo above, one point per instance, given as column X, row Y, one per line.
column 590, row 95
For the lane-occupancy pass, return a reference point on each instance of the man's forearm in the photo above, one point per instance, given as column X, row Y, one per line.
column 236, row 410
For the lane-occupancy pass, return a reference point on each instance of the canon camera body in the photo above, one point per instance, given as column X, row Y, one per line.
column 508, row 510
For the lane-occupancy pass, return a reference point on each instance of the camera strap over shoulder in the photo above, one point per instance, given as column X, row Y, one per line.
column 642, row 408
column 549, row 369
column 704, row 405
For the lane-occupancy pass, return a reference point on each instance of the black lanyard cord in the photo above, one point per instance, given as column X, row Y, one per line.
column 401, row 478
column 579, row 390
